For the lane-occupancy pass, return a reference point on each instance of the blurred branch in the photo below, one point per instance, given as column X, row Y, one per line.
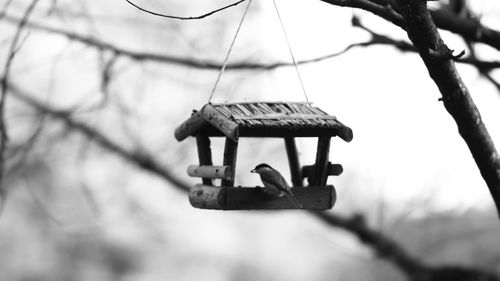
column 185, row 18
column 137, row 158
column 377, row 39
column 390, row 250
column 3, row 91
column 188, row 62
column 384, row 246
column 5, row 8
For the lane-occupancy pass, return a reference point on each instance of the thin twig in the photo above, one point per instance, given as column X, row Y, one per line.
column 184, row 18
column 385, row 12
column 5, row 8
column 139, row 158
column 210, row 65
column 14, row 48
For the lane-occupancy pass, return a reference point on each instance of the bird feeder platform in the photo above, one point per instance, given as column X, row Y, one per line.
column 287, row 120
column 253, row 198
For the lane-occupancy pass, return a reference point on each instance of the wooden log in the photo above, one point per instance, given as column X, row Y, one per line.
column 208, row 197
column 190, row 126
column 210, row 172
column 216, row 119
column 204, row 154
column 230, row 153
column 254, row 198
column 345, row 133
column 293, row 161
column 322, row 154
column 332, row 170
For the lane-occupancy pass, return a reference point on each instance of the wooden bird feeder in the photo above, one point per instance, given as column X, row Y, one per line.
column 262, row 119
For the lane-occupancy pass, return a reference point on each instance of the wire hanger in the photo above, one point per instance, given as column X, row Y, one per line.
column 224, row 65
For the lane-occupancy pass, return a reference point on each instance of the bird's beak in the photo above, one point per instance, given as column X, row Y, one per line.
column 253, row 171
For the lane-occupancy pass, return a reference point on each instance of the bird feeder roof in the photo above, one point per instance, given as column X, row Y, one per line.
column 262, row 119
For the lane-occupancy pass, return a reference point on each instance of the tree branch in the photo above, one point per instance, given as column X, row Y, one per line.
column 377, row 39
column 456, row 97
column 384, row 246
column 3, row 91
column 185, row 18
column 383, row 11
column 467, row 28
column 138, row 158
column 390, row 10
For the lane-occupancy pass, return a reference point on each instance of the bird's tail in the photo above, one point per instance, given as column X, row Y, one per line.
column 289, row 194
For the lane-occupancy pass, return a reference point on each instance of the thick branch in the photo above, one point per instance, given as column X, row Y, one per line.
column 467, row 28
column 456, row 97
column 390, row 10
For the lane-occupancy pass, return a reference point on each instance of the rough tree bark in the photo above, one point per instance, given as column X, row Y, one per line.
column 456, row 98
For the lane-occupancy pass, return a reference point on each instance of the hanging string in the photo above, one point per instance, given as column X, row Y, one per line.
column 290, row 50
column 229, row 51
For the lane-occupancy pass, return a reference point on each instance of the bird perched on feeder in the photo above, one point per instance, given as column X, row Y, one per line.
column 274, row 183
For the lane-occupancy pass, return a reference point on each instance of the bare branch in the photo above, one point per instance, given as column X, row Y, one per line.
column 455, row 95
column 138, row 158
column 390, row 10
column 185, row 18
column 386, row 12
column 5, row 8
column 404, row 46
column 3, row 91
column 469, row 29
column 384, row 246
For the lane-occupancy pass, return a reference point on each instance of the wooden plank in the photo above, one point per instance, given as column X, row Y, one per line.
column 216, row 119
column 211, row 172
column 293, row 161
column 254, row 198
column 259, row 102
column 275, row 132
column 285, row 116
column 322, row 154
column 230, row 153
column 332, row 170
column 204, row 154
column 190, row 126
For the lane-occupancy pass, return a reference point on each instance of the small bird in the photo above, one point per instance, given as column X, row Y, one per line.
column 274, row 183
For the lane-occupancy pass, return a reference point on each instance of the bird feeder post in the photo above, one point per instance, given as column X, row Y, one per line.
column 293, row 161
column 321, row 165
column 230, row 153
column 204, row 154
